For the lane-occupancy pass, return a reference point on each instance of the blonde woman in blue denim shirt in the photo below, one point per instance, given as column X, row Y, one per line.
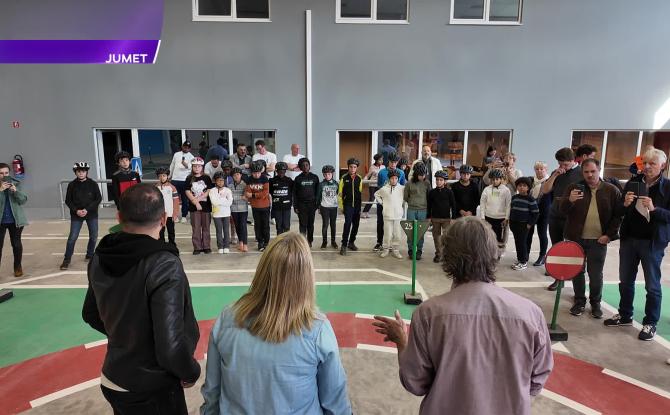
column 272, row 352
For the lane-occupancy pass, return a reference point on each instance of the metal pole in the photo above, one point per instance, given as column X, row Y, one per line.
column 558, row 298
column 415, row 234
column 62, row 201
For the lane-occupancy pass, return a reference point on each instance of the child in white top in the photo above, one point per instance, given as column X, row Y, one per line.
column 494, row 206
column 222, row 199
column 390, row 196
column 172, row 203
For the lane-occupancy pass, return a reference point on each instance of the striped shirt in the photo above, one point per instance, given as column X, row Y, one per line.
column 524, row 209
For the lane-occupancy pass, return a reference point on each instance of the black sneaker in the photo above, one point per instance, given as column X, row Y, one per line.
column 324, row 245
column 309, row 243
column 418, row 255
column 436, row 258
column 553, row 286
column 352, row 247
column 377, row 248
column 617, row 321
column 261, row 248
column 207, row 251
column 88, row 257
column 343, row 250
column 596, row 312
column 333, row 244
column 577, row 309
column 647, row 333
column 65, row 265
column 196, row 252
column 539, row 262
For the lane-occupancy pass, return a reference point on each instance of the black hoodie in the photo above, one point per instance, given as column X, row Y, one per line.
column 139, row 296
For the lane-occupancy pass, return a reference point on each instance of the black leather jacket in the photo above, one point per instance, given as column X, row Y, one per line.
column 139, row 296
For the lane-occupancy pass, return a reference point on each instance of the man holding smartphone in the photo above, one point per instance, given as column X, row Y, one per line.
column 590, row 208
column 13, row 219
column 645, row 233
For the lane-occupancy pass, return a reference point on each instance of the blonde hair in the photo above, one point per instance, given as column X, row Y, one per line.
column 540, row 163
column 281, row 299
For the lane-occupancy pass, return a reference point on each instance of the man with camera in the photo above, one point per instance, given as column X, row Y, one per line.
column 645, row 233
column 590, row 208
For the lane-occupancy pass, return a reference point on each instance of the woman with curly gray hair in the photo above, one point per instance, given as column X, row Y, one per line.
column 462, row 343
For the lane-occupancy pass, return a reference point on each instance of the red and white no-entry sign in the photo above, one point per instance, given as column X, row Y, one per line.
column 565, row 260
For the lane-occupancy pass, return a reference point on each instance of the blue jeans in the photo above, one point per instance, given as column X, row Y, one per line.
column 418, row 215
column 75, row 228
column 631, row 252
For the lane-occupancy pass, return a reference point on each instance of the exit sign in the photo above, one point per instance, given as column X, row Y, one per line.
column 16, row 124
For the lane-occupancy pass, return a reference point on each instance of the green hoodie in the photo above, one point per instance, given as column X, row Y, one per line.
column 16, row 201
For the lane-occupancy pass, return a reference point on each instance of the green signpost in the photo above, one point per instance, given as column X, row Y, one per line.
column 414, row 229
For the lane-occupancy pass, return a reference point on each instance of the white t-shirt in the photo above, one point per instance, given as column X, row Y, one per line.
column 168, row 193
column 177, row 170
column 291, row 159
column 210, row 170
column 269, row 158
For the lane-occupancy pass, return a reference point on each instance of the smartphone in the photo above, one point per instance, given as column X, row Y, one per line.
column 640, row 189
column 7, row 179
column 580, row 187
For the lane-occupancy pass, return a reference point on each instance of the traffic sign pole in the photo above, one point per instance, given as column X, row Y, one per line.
column 558, row 299
column 413, row 228
column 414, row 238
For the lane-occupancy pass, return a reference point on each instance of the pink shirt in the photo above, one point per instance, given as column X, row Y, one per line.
column 478, row 349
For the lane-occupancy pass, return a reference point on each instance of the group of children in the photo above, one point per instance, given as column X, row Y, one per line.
column 225, row 197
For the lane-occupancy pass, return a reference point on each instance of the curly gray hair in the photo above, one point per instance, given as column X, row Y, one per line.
column 471, row 251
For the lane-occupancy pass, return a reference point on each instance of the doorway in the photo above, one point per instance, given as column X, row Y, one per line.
column 356, row 144
column 109, row 143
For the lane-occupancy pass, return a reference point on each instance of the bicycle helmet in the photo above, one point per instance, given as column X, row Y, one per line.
column 198, row 161
column 256, row 166
column 281, row 166
column 393, row 173
column 442, row 174
column 302, row 161
column 393, row 157
column 420, row 169
column 327, row 169
column 465, row 169
column 496, row 174
column 353, row 161
column 81, row 165
column 236, row 170
column 226, row 164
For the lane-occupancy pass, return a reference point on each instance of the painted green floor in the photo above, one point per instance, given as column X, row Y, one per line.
column 611, row 297
column 40, row 321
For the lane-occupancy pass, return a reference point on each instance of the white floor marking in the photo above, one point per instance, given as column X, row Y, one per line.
column 55, row 274
column 65, row 392
column 95, row 344
column 376, row 348
column 210, row 284
column 560, row 347
column 657, row 338
column 637, row 383
column 569, row 402
column 371, row 317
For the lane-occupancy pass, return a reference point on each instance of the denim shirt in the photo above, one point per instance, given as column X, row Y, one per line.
column 7, row 214
column 246, row 375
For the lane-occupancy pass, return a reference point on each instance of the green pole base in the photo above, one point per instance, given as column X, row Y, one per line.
column 558, row 334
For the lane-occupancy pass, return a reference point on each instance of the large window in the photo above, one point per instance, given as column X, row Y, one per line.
column 617, row 150
column 231, row 10
column 404, row 143
column 480, row 141
column 448, row 146
column 371, row 11
column 249, row 138
column 495, row 12
column 157, row 148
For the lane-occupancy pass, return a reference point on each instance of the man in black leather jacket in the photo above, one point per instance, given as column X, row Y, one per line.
column 138, row 295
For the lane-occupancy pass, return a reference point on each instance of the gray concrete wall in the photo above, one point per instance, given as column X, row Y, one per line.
column 600, row 64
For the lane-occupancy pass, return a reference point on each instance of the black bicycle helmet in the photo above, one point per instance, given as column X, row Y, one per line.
column 393, row 173
column 218, row 175
column 81, row 165
column 402, row 162
column 121, row 155
column 443, row 174
column 236, row 170
column 302, row 161
column 465, row 169
column 256, row 166
column 353, row 161
column 281, row 166
column 496, row 174
column 226, row 164
column 162, row 170
column 420, row 169
column 393, row 157
column 327, row 169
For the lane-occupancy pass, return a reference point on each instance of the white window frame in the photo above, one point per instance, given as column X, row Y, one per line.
column 366, row 20
column 233, row 14
column 485, row 20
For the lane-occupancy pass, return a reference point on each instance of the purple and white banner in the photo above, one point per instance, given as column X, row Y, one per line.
column 81, row 32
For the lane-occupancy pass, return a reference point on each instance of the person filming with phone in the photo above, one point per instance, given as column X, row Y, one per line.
column 591, row 220
column 645, row 233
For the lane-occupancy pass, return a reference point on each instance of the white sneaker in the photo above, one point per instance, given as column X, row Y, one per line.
column 226, row 250
column 184, row 220
column 220, row 251
column 397, row 254
column 384, row 253
column 516, row 264
column 520, row 266
column 273, row 221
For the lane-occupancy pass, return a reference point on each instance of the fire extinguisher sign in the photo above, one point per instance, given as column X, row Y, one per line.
column 16, row 124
